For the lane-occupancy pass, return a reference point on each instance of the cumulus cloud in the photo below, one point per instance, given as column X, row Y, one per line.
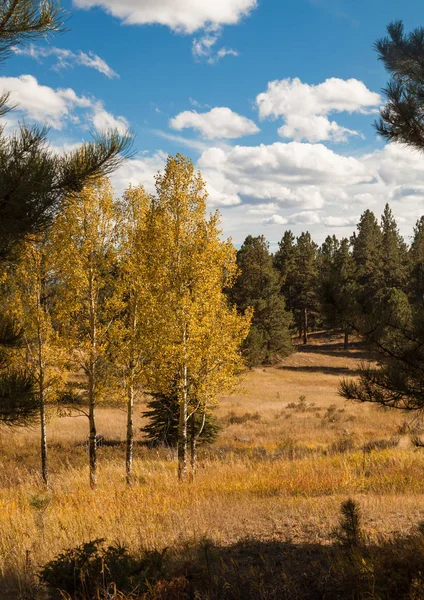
column 220, row 122
column 103, row 120
column 57, row 108
column 42, row 103
column 67, row 59
column 338, row 221
column 293, row 174
column 311, row 218
column 275, row 220
column 182, row 16
column 305, row 108
column 301, row 218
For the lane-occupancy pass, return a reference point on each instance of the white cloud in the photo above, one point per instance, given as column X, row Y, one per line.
column 220, row 122
column 223, row 52
column 57, row 108
column 139, row 171
column 182, row 16
column 305, row 108
column 103, row 120
column 42, row 103
column 275, row 220
column 292, row 174
column 67, row 59
column 314, row 129
column 203, row 47
column 305, row 217
column 332, row 221
column 263, row 209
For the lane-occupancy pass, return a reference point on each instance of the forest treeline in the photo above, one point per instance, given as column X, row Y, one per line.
column 347, row 284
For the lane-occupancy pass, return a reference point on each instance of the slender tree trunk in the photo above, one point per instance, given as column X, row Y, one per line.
column 92, row 444
column 193, row 442
column 130, row 407
column 346, row 341
column 41, row 390
column 193, row 446
column 44, row 462
column 182, row 431
column 130, row 430
column 305, row 325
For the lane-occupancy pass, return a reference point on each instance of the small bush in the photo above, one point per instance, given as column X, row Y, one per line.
column 341, row 446
column 233, row 419
column 93, row 570
column 349, row 532
column 379, row 445
column 302, row 405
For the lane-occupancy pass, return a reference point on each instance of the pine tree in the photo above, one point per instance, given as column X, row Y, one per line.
column 306, row 302
column 403, row 57
column 394, row 252
column 285, row 263
column 397, row 336
column 258, row 286
column 84, row 244
column 367, row 254
column 162, row 427
column 338, row 286
column 416, row 255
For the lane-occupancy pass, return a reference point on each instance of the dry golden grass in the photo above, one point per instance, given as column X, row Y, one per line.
column 281, row 476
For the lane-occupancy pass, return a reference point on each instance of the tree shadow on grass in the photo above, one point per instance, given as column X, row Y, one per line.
column 324, row 369
column 357, row 350
column 269, row 570
column 272, row 570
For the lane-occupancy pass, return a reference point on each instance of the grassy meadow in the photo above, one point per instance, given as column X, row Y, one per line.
column 289, row 452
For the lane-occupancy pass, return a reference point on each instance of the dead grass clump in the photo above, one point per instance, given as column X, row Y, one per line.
column 380, row 445
column 343, row 445
column 303, row 406
column 233, row 418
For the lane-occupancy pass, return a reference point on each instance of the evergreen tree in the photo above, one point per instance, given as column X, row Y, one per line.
column 306, row 301
column 163, row 415
column 397, row 335
column 367, row 254
column 394, row 252
column 285, row 263
column 258, row 286
column 338, row 286
column 416, row 256
column 403, row 57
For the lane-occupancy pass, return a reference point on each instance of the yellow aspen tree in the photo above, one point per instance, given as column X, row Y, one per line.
column 30, row 283
column 84, row 248
column 188, row 267
column 130, row 333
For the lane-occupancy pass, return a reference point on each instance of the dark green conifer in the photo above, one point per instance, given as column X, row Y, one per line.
column 259, row 286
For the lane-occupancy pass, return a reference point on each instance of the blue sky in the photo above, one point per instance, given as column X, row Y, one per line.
column 273, row 100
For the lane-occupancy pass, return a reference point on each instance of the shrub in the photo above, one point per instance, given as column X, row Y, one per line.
column 233, row 419
column 349, row 532
column 163, row 414
column 93, row 570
